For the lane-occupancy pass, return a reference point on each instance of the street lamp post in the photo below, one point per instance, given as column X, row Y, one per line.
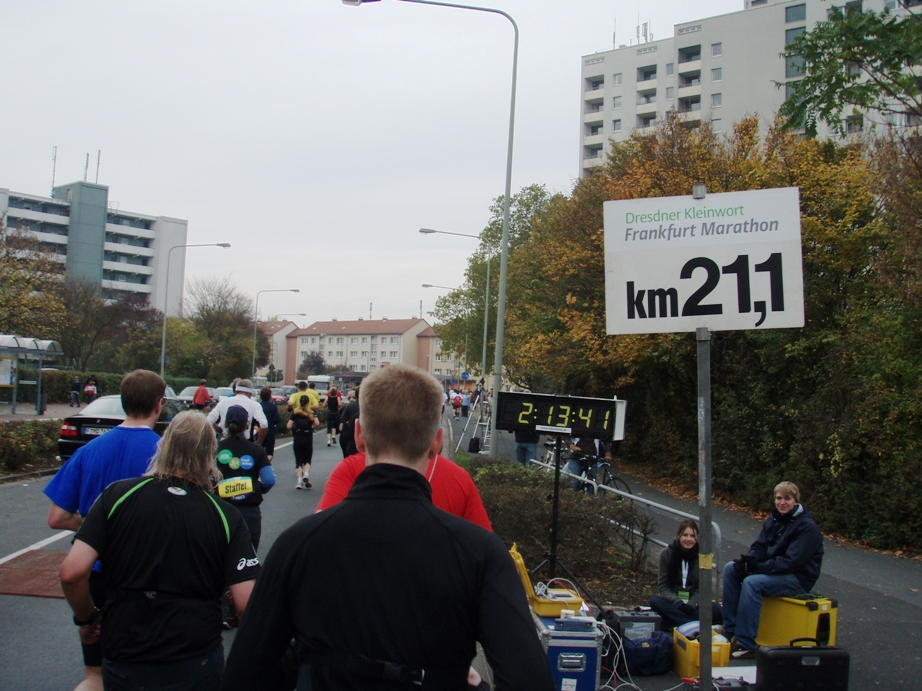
column 486, row 296
column 504, row 244
column 256, row 316
column 166, row 293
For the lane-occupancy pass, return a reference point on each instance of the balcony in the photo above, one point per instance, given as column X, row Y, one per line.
column 687, row 67
column 594, row 139
column 690, row 91
column 646, row 108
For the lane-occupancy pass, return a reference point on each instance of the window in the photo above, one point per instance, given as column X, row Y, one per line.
column 313, row 340
column 596, row 83
column 394, row 339
column 364, row 368
column 321, row 347
column 438, row 371
column 795, row 13
column 616, row 126
column 717, row 125
column 670, row 69
column 645, row 74
column 616, row 102
column 717, row 74
column 646, row 97
column 594, row 130
column 716, row 100
column 374, row 348
column 789, row 88
column 339, row 353
column 438, row 357
column 354, row 341
column 854, row 124
column 339, row 340
column 353, row 353
column 393, row 353
column 364, row 353
column 645, row 121
column 670, row 93
column 304, row 354
column 330, row 340
column 717, row 49
column 616, row 79
column 364, row 339
column 791, row 34
column 374, row 338
column 689, row 54
column 794, row 66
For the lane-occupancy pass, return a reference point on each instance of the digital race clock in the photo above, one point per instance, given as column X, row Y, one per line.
column 599, row 418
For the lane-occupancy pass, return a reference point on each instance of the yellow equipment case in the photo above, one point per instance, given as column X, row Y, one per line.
column 562, row 598
column 808, row 616
column 686, row 655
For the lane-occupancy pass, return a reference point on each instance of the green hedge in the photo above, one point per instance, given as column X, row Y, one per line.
column 23, row 442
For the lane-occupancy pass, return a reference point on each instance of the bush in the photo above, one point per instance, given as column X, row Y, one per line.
column 595, row 533
column 23, row 442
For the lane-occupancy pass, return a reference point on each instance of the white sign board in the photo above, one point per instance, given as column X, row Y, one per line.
column 728, row 262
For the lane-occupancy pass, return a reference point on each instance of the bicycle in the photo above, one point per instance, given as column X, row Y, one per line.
column 596, row 472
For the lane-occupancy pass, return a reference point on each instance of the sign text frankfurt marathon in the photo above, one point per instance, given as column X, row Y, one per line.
column 729, row 261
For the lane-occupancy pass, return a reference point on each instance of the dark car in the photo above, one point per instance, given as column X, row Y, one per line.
column 102, row 415
column 185, row 396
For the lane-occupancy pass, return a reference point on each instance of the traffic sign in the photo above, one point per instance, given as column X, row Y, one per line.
column 465, row 375
column 729, row 261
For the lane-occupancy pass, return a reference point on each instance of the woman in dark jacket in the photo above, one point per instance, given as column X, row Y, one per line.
column 272, row 417
column 677, row 602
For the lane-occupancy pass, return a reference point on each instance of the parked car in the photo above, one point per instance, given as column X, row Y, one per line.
column 288, row 390
column 278, row 396
column 223, row 392
column 185, row 396
column 102, row 415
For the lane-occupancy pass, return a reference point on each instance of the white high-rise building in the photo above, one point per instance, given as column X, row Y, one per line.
column 123, row 252
column 721, row 68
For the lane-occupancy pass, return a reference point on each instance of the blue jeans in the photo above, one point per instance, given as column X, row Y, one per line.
column 743, row 601
column 525, row 452
column 577, row 465
column 201, row 673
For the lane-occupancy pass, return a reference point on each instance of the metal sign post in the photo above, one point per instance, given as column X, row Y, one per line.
column 730, row 261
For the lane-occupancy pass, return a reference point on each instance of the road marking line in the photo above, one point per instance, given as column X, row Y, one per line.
column 37, row 545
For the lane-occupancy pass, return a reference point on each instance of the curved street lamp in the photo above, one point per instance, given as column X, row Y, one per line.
column 166, row 292
column 256, row 316
column 504, row 244
column 486, row 297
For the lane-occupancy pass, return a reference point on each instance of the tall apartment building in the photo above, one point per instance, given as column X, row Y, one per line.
column 364, row 345
column 721, row 68
column 121, row 251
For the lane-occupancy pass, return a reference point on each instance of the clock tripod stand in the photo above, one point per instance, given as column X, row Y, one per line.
column 551, row 560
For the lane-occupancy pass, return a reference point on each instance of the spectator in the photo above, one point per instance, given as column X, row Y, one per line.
column 90, row 390
column 526, row 446
column 168, row 549
column 75, row 392
column 201, row 399
column 123, row 452
column 465, row 403
column 784, row 560
column 677, row 602
column 343, row 608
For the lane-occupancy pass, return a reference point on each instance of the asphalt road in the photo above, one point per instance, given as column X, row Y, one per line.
column 880, row 606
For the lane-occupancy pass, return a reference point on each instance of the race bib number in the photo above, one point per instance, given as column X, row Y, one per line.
column 235, row 487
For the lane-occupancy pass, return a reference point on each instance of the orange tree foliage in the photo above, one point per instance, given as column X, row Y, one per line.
column 834, row 406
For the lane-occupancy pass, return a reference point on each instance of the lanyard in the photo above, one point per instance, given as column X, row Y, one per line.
column 684, row 574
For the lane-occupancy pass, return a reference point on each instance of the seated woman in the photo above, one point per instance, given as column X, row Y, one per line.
column 677, row 602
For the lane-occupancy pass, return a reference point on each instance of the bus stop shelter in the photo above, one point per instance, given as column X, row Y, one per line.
column 12, row 348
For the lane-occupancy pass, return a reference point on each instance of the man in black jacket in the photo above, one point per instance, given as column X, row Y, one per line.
column 384, row 590
column 784, row 560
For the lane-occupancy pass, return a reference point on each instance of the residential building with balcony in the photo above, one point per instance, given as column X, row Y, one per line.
column 123, row 252
column 364, row 345
column 719, row 68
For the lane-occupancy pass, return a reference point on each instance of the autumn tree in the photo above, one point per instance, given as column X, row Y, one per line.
column 29, row 277
column 312, row 363
column 88, row 321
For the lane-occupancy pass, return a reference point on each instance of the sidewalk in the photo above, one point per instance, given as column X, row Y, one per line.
column 26, row 411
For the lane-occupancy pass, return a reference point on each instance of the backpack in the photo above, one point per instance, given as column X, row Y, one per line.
column 648, row 656
column 457, row 401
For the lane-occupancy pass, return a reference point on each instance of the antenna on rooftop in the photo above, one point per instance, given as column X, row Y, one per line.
column 369, row 309
column 86, row 167
column 98, row 158
column 614, row 34
column 54, row 166
column 420, row 309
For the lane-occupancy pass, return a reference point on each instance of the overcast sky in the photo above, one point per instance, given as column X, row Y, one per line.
column 316, row 138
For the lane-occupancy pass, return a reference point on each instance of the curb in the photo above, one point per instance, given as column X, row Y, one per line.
column 24, row 476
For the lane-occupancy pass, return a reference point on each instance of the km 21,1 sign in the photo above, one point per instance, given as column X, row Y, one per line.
column 728, row 262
